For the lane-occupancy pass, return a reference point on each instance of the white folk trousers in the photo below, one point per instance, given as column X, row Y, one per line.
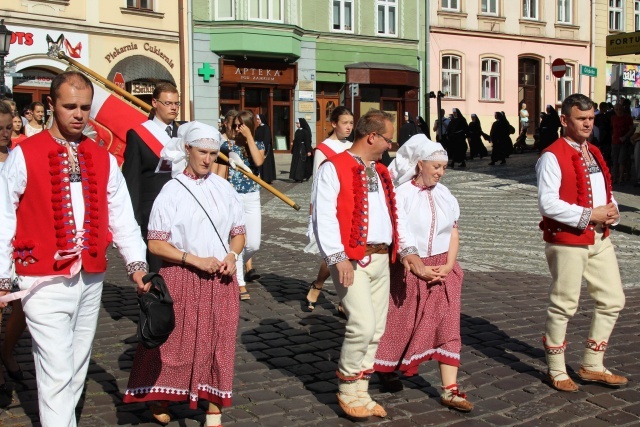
column 62, row 319
column 365, row 303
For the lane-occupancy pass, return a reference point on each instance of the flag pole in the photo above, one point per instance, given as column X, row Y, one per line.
column 147, row 108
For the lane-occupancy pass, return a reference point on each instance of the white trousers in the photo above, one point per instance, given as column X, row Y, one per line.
column 253, row 227
column 365, row 303
column 62, row 319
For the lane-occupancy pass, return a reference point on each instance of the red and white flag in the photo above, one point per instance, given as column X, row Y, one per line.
column 112, row 117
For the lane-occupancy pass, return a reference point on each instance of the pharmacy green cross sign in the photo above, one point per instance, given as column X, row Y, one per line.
column 206, row 71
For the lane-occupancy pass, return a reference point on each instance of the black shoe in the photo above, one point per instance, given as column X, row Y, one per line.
column 251, row 275
column 492, row 164
column 5, row 396
column 463, row 164
column 504, row 162
column 390, row 382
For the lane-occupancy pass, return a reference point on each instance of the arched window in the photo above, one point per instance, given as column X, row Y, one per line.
column 565, row 84
column 451, row 75
column 490, row 79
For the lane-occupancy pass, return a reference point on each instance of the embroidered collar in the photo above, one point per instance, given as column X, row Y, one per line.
column 423, row 187
column 64, row 142
column 195, row 177
column 578, row 147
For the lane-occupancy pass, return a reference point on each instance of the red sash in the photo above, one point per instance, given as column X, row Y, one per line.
column 149, row 139
column 324, row 149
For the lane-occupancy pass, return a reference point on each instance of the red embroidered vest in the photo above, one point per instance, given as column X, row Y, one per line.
column 45, row 221
column 575, row 188
column 353, row 214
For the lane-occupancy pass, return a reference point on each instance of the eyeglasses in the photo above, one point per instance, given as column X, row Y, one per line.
column 389, row 141
column 28, row 113
column 237, row 125
column 169, row 103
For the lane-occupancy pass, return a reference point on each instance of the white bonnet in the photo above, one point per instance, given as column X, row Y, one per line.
column 417, row 148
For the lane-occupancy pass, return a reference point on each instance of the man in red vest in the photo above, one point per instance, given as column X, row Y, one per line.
column 63, row 200
column 142, row 170
column 577, row 207
column 355, row 223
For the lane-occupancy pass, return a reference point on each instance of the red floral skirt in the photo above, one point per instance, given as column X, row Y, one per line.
column 198, row 358
column 423, row 321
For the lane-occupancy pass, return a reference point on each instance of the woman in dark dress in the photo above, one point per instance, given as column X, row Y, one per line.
column 301, row 151
column 476, row 146
column 500, row 131
column 457, row 132
column 263, row 133
column 549, row 126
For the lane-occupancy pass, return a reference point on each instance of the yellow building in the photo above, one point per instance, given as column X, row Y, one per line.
column 134, row 44
column 617, row 75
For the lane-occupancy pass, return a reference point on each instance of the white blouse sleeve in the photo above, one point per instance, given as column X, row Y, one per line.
column 238, row 222
column 162, row 213
column 407, row 244
column 13, row 182
column 325, row 214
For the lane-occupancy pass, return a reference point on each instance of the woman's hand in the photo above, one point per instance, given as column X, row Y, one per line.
column 208, row 265
column 228, row 265
column 443, row 269
column 246, row 132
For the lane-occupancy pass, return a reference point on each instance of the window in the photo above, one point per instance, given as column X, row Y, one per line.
column 530, row 9
column 451, row 5
column 637, row 15
column 564, row 11
column 491, row 79
column 616, row 15
column 451, row 75
column 387, row 17
column 565, row 84
column 342, row 15
column 490, row 7
column 266, row 10
column 224, row 9
column 140, row 4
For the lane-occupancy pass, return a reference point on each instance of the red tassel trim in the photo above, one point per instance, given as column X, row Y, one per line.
column 358, row 235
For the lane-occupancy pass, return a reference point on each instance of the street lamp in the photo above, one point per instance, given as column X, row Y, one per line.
column 5, row 42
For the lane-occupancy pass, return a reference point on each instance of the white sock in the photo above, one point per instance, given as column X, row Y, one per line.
column 592, row 360
column 557, row 367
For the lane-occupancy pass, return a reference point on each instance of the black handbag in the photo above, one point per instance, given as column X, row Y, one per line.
column 157, row 318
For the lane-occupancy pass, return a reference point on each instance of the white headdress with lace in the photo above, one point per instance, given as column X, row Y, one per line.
column 193, row 134
column 416, row 149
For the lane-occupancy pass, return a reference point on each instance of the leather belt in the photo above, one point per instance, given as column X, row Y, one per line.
column 381, row 248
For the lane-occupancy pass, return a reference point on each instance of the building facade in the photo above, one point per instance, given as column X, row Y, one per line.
column 492, row 55
column 617, row 75
column 134, row 43
column 302, row 58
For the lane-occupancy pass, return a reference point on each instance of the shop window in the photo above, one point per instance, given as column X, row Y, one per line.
column 490, row 7
column 140, row 4
column 565, row 85
column 616, row 15
column 387, row 17
column 451, row 5
column 370, row 94
column 225, row 9
column 636, row 15
column 266, row 10
column 342, row 15
column 229, row 93
column 281, row 95
column 564, row 11
column 491, row 79
column 530, row 9
column 451, row 75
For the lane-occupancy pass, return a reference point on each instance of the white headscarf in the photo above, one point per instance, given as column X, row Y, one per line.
column 417, row 148
column 194, row 134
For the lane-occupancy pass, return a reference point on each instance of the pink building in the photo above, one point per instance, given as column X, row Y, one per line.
column 492, row 55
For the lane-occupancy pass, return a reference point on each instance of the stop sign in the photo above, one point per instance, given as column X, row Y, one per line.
column 558, row 67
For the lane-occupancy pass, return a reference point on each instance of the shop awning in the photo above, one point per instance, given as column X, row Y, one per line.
column 139, row 67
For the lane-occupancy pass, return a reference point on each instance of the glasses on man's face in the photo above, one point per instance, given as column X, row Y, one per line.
column 169, row 103
column 28, row 113
column 389, row 141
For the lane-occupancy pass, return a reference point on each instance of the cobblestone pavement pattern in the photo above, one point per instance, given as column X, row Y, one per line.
column 286, row 358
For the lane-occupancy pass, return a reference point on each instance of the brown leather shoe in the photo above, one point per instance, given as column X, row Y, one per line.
column 602, row 378
column 359, row 411
column 564, row 385
column 455, row 399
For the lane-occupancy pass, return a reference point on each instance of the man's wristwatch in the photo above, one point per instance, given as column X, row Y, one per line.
column 235, row 255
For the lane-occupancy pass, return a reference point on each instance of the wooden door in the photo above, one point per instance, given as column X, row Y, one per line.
column 325, row 104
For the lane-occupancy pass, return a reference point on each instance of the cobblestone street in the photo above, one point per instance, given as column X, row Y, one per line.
column 286, row 357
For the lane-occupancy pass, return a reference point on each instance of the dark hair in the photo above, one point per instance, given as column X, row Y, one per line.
column 5, row 108
column 33, row 105
column 373, row 121
column 336, row 113
column 230, row 115
column 73, row 78
column 579, row 100
column 163, row 87
column 246, row 117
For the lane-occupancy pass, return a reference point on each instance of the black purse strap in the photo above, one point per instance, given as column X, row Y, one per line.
column 205, row 212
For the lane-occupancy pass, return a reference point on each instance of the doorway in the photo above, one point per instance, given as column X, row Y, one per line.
column 325, row 104
column 529, row 89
